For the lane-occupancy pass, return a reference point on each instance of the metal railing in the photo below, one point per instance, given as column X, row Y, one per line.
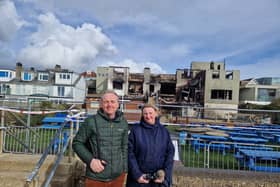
column 59, row 158
column 15, row 139
column 199, row 153
column 195, row 153
column 58, row 145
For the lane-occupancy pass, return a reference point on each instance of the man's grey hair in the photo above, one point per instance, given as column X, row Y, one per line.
column 109, row 92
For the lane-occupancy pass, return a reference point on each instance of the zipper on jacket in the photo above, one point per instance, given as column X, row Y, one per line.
column 111, row 134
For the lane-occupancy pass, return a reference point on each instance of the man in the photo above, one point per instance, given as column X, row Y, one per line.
column 101, row 143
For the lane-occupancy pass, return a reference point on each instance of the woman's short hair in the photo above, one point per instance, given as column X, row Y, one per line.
column 148, row 105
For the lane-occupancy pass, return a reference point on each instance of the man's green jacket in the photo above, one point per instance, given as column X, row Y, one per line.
column 111, row 135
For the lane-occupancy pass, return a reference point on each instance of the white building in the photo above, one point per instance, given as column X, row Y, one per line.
column 56, row 84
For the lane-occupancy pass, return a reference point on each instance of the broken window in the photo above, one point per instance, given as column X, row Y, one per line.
column 152, row 88
column 168, row 88
column 215, row 75
column 221, row 94
column 229, row 75
column 187, row 74
column 212, row 65
column 117, row 84
column 135, row 88
column 91, row 86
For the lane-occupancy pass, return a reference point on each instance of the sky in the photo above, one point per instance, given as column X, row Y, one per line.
column 164, row 35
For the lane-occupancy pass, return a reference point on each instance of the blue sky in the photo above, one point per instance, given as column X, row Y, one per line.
column 164, row 35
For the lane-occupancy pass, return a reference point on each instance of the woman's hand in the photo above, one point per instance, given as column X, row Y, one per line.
column 159, row 180
column 142, row 179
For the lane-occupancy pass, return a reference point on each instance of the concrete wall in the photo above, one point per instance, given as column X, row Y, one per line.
column 101, row 79
column 222, row 84
column 207, row 65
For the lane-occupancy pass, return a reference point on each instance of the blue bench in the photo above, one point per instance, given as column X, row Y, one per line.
column 237, row 147
column 209, row 137
column 212, row 146
column 243, row 134
column 239, row 156
column 251, row 159
column 265, row 168
column 248, row 140
column 277, row 138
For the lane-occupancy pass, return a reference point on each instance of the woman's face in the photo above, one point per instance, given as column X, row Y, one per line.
column 149, row 115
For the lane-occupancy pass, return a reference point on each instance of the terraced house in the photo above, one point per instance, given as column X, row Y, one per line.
column 57, row 84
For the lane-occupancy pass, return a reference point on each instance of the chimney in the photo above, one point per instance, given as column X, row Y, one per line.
column 19, row 69
column 147, row 75
column 147, row 79
column 57, row 67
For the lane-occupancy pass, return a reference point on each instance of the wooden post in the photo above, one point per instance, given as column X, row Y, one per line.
column 2, row 118
column 1, row 139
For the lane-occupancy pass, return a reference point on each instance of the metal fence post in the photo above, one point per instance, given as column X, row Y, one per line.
column 70, row 142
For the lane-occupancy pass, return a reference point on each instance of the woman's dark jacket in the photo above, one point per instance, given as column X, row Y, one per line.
column 149, row 149
column 112, row 138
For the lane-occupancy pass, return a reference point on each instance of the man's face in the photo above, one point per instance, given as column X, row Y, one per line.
column 110, row 104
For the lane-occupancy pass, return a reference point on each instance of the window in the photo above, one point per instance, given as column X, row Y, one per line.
column 187, row 74
column 65, row 76
column 221, row 94
column 4, row 88
column 4, row 74
column 215, row 75
column 265, row 94
column 60, row 91
column 229, row 75
column 212, row 65
column 27, row 76
column 118, row 84
column 43, row 77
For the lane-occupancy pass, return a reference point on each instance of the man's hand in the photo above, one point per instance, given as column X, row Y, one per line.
column 97, row 165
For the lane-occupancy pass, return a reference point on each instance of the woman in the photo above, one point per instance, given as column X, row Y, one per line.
column 150, row 152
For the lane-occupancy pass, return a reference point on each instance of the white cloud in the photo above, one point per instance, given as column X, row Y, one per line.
column 10, row 22
column 170, row 33
column 57, row 43
column 136, row 67
column 180, row 50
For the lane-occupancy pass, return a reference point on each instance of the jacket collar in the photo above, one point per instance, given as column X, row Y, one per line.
column 117, row 118
column 146, row 125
